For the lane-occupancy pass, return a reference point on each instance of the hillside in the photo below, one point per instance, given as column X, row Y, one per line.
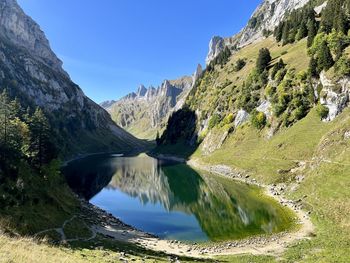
column 276, row 109
column 31, row 72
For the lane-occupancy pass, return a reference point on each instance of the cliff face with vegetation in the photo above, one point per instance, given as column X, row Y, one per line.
column 274, row 82
column 30, row 71
column 277, row 109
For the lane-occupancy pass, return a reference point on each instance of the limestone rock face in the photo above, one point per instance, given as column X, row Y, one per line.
column 241, row 118
column 145, row 112
column 31, row 71
column 22, row 31
column 197, row 74
column 216, row 45
column 334, row 95
column 267, row 16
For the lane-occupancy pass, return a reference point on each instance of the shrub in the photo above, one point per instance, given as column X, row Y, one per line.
column 258, row 119
column 342, row 67
column 322, row 111
column 228, row 119
column 214, row 121
column 240, row 63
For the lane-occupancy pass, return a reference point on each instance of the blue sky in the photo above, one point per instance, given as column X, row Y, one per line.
column 109, row 47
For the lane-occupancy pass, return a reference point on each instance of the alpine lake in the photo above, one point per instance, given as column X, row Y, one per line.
column 174, row 201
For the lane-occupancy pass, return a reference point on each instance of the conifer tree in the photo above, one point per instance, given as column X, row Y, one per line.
column 263, row 60
column 41, row 147
column 312, row 31
column 324, row 57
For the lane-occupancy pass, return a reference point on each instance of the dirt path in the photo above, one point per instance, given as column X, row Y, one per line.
column 60, row 231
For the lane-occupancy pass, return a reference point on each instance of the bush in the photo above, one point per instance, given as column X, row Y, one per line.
column 258, row 119
column 322, row 111
column 240, row 63
column 214, row 121
column 228, row 119
column 342, row 67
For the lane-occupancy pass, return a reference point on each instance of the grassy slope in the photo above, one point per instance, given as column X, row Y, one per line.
column 326, row 184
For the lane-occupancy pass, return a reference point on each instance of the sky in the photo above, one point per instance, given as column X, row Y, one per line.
column 110, row 47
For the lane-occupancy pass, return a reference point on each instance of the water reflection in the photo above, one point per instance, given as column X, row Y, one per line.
column 173, row 200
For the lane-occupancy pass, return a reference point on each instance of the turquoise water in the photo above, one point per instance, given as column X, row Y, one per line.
column 174, row 201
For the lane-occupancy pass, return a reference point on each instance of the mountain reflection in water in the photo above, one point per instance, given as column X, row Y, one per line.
column 174, row 201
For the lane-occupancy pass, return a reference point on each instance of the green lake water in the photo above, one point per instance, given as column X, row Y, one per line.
column 174, row 201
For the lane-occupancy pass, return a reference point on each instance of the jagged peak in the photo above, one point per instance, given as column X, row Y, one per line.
column 266, row 16
column 141, row 91
column 197, row 74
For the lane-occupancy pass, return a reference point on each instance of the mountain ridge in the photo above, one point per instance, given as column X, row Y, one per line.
column 150, row 107
column 31, row 71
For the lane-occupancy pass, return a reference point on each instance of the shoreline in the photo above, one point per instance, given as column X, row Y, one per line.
column 110, row 226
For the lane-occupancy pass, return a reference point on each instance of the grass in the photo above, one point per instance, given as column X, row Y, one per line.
column 326, row 183
column 250, row 150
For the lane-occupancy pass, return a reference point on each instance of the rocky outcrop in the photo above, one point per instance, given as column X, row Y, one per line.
column 241, row 118
column 23, row 32
column 197, row 74
column 267, row 16
column 265, row 107
column 334, row 95
column 216, row 45
column 31, row 71
column 146, row 111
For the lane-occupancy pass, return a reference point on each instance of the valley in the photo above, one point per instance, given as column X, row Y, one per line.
column 246, row 160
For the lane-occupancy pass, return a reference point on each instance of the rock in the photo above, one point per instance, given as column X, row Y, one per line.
column 334, row 95
column 241, row 118
column 267, row 16
column 216, row 45
column 347, row 135
column 265, row 107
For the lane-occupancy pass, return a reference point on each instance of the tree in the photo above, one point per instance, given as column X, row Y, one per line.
column 41, row 148
column 302, row 32
column 312, row 31
column 342, row 66
column 285, row 33
column 324, row 57
column 313, row 67
column 240, row 63
column 278, row 66
column 263, row 60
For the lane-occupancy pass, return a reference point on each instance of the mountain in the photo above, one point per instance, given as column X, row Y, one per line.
column 30, row 71
column 277, row 110
column 264, row 19
column 146, row 111
column 231, row 90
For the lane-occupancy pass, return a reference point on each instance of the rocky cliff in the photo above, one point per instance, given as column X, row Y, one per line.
column 146, row 111
column 31, row 71
column 265, row 18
